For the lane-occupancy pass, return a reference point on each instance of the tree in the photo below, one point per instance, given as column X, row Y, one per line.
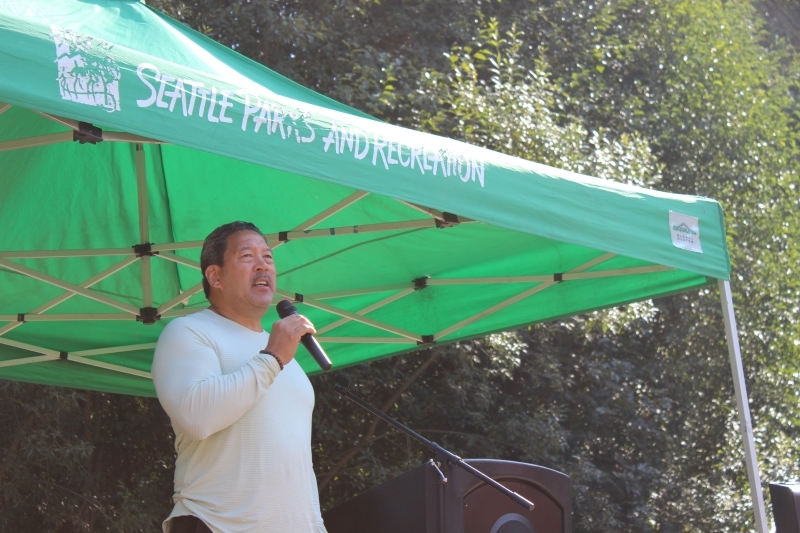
column 713, row 100
column 82, row 461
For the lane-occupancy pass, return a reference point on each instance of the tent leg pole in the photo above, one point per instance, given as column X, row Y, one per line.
column 751, row 460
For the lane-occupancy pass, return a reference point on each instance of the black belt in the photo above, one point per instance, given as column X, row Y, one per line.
column 189, row 524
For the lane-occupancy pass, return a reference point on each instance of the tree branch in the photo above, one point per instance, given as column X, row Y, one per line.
column 12, row 451
column 373, row 440
column 89, row 502
column 465, row 434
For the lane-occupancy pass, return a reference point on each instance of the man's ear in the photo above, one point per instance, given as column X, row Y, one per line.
column 212, row 275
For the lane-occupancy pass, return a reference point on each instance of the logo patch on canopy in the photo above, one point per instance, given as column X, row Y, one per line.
column 87, row 73
column 685, row 232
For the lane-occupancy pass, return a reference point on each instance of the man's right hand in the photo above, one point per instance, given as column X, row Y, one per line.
column 285, row 336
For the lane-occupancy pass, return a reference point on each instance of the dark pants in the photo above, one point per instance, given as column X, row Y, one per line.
column 189, row 524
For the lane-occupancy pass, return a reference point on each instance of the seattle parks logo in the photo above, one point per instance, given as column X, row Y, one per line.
column 683, row 228
column 87, row 73
column 685, row 232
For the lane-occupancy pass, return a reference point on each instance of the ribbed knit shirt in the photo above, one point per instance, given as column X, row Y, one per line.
column 242, row 428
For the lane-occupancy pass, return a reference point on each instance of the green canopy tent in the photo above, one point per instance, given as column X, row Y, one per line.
column 125, row 138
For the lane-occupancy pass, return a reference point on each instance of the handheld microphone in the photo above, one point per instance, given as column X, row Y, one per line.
column 285, row 308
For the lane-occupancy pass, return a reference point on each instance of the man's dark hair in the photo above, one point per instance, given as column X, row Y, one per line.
column 215, row 245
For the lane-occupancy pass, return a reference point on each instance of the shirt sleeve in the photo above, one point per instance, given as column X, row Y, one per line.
column 192, row 389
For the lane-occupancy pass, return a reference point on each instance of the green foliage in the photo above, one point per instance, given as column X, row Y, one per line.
column 697, row 97
column 82, row 461
column 342, row 48
column 490, row 98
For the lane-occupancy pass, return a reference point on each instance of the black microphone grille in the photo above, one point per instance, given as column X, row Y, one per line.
column 285, row 308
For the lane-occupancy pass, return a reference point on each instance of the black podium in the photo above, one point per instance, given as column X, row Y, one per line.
column 785, row 506
column 417, row 502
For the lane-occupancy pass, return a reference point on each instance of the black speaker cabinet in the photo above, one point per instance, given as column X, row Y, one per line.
column 785, row 507
column 416, row 502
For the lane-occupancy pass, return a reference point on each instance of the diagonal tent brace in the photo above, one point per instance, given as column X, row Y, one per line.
column 494, row 280
column 166, row 310
column 517, row 298
column 83, row 129
column 403, row 288
column 53, row 355
column 65, row 317
column 64, row 297
column 77, row 289
column 175, row 246
column 174, row 313
column 544, row 282
column 50, row 354
column 499, row 307
column 80, row 357
column 50, row 254
column 352, row 316
column 327, row 213
column 179, row 299
column 110, row 366
column 139, row 252
column 80, row 131
column 284, row 236
column 368, row 340
column 443, row 218
column 87, row 133
column 26, row 360
column 361, row 290
column 147, row 291
column 368, row 309
column 40, row 140
column 115, row 349
column 354, row 230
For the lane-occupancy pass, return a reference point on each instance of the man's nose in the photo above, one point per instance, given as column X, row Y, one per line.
column 261, row 263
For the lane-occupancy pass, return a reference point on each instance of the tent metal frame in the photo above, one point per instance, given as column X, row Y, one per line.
column 743, row 405
column 83, row 132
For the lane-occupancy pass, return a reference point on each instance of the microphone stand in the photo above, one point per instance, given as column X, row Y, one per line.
column 342, row 386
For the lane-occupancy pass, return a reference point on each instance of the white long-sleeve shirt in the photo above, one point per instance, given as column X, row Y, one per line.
column 242, row 428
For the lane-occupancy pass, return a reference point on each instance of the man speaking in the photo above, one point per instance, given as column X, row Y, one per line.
column 239, row 403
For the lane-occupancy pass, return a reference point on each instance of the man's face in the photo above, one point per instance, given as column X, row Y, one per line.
column 247, row 277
